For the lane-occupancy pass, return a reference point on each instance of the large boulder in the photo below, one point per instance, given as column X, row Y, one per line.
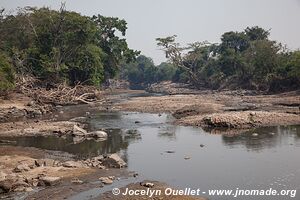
column 113, row 161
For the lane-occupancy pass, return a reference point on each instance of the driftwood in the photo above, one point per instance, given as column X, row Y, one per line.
column 58, row 94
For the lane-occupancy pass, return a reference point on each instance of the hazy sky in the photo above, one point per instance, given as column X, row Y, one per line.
column 191, row 20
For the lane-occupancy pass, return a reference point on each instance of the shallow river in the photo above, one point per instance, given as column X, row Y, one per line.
column 158, row 150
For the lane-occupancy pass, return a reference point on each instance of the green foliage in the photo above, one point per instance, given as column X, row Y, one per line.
column 143, row 71
column 256, row 33
column 115, row 48
column 87, row 65
column 246, row 59
column 6, row 74
column 57, row 46
column 292, row 67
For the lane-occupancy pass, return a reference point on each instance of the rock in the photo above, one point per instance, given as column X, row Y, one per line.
column 106, row 180
column 2, row 176
column 21, row 168
column 44, row 162
column 33, row 182
column 101, row 167
column 96, row 163
column 77, row 131
column 147, row 184
column 20, row 186
column 6, row 185
column 28, row 189
column 49, row 181
column 254, row 134
column 187, row 158
column 114, row 161
column 76, row 181
column 99, row 158
column 135, row 175
column 97, row 134
column 19, row 189
column 72, row 164
column 137, row 122
column 201, row 145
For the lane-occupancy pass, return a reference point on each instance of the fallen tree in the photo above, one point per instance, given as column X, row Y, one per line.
column 58, row 94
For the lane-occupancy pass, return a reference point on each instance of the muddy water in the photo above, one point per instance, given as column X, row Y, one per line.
column 173, row 154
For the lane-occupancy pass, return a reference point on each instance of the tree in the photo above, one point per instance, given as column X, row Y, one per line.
column 6, row 74
column 114, row 47
column 165, row 71
column 186, row 58
column 238, row 41
column 246, row 59
column 64, row 46
column 257, row 33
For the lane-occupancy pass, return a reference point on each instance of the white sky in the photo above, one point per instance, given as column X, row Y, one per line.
column 191, row 20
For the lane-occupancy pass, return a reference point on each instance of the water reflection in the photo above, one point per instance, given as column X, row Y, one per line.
column 244, row 160
column 266, row 137
column 87, row 148
column 167, row 132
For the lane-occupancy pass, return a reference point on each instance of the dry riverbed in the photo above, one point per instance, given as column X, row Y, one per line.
column 27, row 170
column 227, row 109
column 23, row 169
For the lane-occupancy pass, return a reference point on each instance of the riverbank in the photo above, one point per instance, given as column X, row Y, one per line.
column 232, row 110
column 26, row 170
column 223, row 109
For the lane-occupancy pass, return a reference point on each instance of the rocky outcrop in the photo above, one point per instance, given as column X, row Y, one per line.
column 248, row 119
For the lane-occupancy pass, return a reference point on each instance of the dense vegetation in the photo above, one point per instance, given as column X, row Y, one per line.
column 61, row 46
column 247, row 59
column 67, row 47
column 143, row 72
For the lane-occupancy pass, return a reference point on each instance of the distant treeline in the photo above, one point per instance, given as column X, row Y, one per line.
column 143, row 72
column 61, row 46
column 247, row 59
